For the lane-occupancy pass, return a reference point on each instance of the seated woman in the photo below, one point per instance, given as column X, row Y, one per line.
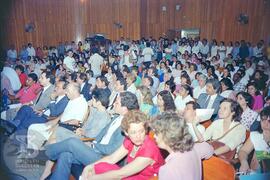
column 258, row 141
column 184, row 160
column 227, row 89
column 165, row 101
column 184, row 96
column 145, row 100
column 249, row 118
column 143, row 155
column 230, row 115
column 257, row 97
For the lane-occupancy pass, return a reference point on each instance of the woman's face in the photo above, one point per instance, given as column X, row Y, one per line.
column 251, row 90
column 183, row 92
column 136, row 133
column 257, row 76
column 183, row 80
column 223, row 87
column 159, row 140
column 241, row 100
column 225, row 111
column 265, row 123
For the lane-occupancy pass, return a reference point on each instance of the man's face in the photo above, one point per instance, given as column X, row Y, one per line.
column 210, row 89
column 59, row 90
column 43, row 80
column 29, row 82
column 117, row 105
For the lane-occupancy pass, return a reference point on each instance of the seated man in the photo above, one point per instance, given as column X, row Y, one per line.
column 43, row 99
column 108, row 140
column 29, row 116
column 28, row 92
column 85, row 87
column 211, row 99
column 97, row 120
column 73, row 114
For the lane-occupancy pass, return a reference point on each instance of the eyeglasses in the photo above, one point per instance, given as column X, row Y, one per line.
column 265, row 118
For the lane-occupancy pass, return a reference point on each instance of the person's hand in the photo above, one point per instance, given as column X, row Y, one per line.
column 90, row 103
column 38, row 112
column 244, row 167
column 88, row 171
column 80, row 132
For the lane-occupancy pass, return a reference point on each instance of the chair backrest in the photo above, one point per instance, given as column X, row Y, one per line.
column 217, row 168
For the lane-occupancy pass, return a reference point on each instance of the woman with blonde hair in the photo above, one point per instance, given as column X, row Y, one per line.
column 145, row 99
column 184, row 160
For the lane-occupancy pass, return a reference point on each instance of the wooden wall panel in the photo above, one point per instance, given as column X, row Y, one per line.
column 215, row 18
column 67, row 20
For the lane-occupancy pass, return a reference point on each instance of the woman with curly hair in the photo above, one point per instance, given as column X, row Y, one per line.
column 142, row 154
column 184, row 160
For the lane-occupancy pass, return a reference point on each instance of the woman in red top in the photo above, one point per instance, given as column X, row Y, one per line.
column 143, row 155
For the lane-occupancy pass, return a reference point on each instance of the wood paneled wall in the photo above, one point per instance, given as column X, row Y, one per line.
column 215, row 18
column 66, row 20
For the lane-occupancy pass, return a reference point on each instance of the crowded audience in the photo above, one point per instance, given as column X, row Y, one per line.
column 132, row 109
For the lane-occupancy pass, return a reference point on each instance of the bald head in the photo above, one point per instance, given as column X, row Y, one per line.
column 73, row 90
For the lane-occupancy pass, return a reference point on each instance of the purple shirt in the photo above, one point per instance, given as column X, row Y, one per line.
column 257, row 102
column 186, row 165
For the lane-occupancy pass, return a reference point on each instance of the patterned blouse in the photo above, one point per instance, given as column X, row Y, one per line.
column 249, row 117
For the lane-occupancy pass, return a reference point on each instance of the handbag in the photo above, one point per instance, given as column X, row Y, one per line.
column 217, row 144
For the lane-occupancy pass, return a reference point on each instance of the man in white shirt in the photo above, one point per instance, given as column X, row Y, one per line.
column 96, row 61
column 31, row 51
column 192, row 119
column 204, row 48
column 69, row 62
column 107, row 141
column 147, row 53
column 73, row 114
column 12, row 53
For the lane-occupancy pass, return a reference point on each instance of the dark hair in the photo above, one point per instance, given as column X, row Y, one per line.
column 126, row 47
column 20, row 67
column 83, row 77
column 248, row 98
column 194, row 105
column 90, row 72
column 171, row 84
column 148, row 44
column 50, row 76
column 186, row 76
column 103, row 79
column 227, row 82
column 212, row 68
column 150, row 79
column 188, row 89
column 235, row 107
column 33, row 76
column 122, row 81
column 129, row 100
column 167, row 100
column 215, row 83
column 255, row 85
column 265, row 112
column 102, row 96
